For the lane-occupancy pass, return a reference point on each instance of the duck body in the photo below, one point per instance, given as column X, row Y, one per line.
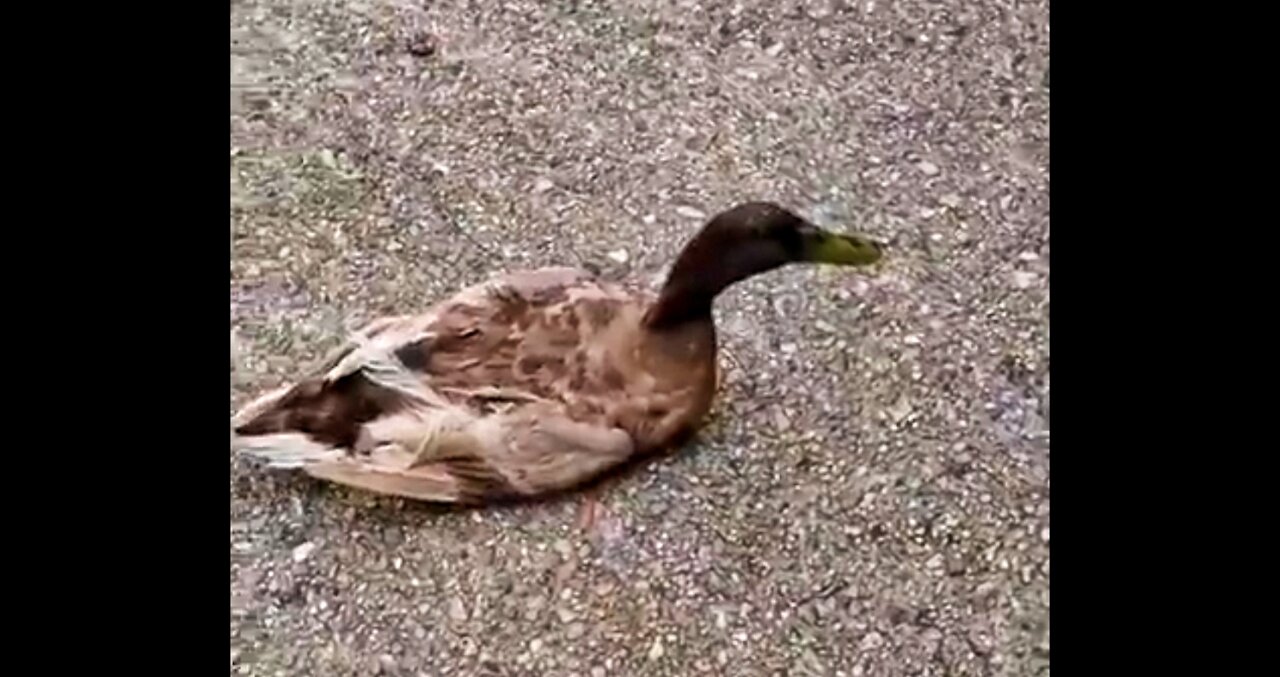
column 531, row 383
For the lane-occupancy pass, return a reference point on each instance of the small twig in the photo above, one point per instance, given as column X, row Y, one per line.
column 825, row 592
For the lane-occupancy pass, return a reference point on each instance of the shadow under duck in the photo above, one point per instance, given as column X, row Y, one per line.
column 531, row 383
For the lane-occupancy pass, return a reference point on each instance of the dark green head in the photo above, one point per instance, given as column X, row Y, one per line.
column 749, row 239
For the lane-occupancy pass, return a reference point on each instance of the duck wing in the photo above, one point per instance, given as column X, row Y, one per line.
column 526, row 455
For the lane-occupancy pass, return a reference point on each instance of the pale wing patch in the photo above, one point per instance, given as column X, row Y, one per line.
column 549, row 452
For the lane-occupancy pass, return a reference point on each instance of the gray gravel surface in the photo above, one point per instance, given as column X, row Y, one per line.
column 872, row 496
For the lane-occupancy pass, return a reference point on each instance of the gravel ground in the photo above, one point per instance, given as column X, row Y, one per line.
column 872, row 497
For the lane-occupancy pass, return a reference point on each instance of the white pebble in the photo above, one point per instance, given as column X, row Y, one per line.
column 303, row 551
column 871, row 641
column 690, row 212
column 1024, row 279
column 619, row 255
column 928, row 168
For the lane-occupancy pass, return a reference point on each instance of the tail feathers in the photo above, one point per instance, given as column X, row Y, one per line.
column 260, row 405
column 363, row 420
column 385, row 471
column 360, row 382
column 293, row 451
column 287, row 451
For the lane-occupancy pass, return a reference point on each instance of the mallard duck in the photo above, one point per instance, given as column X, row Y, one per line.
column 533, row 382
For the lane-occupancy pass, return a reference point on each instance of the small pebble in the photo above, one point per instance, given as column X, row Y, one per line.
column 781, row 422
column 900, row 410
column 563, row 547
column 928, row 168
column 303, row 551
column 1024, row 279
column 423, row 45
column 690, row 212
column 457, row 610
column 871, row 641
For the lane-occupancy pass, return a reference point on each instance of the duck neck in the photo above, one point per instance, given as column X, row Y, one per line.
column 680, row 304
column 706, row 267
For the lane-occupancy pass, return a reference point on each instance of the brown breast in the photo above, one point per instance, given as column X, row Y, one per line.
column 673, row 382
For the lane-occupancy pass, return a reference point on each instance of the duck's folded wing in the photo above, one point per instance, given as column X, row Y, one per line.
column 415, row 456
column 435, row 482
column 551, row 452
column 538, row 455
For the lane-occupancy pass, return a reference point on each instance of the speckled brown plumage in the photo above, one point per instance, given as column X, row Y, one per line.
column 533, row 382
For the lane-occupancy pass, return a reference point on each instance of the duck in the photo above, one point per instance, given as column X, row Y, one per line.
column 533, row 382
